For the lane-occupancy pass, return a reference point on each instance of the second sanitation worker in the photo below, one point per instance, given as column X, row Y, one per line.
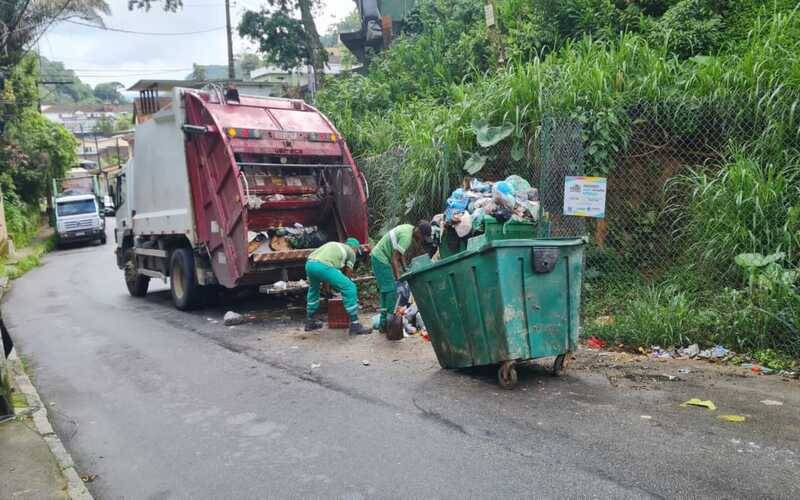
column 390, row 259
column 332, row 263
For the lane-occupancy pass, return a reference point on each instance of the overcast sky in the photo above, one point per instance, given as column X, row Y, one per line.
column 103, row 56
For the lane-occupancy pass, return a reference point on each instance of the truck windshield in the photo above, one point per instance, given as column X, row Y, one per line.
column 76, row 207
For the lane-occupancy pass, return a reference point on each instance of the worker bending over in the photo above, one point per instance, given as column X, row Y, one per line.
column 390, row 260
column 332, row 263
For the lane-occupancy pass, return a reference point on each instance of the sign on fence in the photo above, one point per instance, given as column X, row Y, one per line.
column 585, row 196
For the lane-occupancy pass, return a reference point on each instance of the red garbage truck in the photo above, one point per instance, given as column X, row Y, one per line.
column 232, row 190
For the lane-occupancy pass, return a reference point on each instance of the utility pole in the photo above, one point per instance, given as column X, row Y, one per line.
column 493, row 30
column 231, row 72
column 97, row 151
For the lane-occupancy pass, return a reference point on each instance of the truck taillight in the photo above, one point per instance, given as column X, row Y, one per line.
column 321, row 137
column 243, row 133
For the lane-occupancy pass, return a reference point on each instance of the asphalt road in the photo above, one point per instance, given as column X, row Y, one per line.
column 164, row 404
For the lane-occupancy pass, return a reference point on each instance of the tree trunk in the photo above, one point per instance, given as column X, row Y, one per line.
column 318, row 54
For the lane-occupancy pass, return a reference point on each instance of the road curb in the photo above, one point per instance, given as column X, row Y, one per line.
column 76, row 490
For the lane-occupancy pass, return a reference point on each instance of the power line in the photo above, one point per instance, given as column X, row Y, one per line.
column 148, row 33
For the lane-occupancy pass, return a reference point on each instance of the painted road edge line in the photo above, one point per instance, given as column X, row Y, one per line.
column 76, row 489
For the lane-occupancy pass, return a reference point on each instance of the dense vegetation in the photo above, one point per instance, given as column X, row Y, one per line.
column 688, row 65
column 33, row 150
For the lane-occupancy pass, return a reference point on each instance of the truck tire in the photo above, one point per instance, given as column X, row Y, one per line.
column 186, row 293
column 137, row 283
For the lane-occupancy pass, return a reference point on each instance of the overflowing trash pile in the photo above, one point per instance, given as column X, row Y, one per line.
column 472, row 205
column 281, row 239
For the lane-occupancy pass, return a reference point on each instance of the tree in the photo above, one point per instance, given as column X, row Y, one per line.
column 198, row 72
column 284, row 39
column 123, row 122
column 23, row 22
column 109, row 92
column 74, row 92
column 33, row 149
column 248, row 62
column 351, row 23
column 104, row 126
column 168, row 5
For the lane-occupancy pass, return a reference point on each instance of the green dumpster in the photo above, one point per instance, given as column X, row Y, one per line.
column 501, row 301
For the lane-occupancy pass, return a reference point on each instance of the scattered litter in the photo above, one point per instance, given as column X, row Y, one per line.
column 789, row 374
column 376, row 322
column 771, row 402
column 604, row 320
column 732, row 418
column 718, row 352
column 365, row 362
column 646, row 417
column 660, row 353
column 705, row 354
column 279, row 285
column 232, row 318
column 736, row 441
column 671, row 378
column 757, row 368
column 88, row 478
column 595, row 343
column 704, row 403
column 684, row 370
column 691, row 351
column 314, row 366
column 294, row 347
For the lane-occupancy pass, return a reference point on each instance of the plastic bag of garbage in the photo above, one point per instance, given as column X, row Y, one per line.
column 456, row 203
column 464, row 226
column 517, row 183
column 480, row 187
column 503, row 195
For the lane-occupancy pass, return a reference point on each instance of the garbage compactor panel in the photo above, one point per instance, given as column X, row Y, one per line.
column 506, row 300
column 257, row 164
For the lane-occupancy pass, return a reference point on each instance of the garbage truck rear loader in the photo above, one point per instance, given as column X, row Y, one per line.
column 233, row 190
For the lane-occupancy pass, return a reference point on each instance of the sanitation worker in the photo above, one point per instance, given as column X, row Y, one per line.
column 332, row 263
column 390, row 259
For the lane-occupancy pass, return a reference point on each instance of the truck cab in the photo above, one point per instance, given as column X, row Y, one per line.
column 78, row 218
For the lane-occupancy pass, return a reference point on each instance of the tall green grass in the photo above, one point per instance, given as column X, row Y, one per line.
column 744, row 207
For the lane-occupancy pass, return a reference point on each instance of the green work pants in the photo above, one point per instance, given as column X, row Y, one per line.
column 387, row 288
column 319, row 273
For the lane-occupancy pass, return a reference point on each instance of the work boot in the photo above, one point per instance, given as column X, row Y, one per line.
column 313, row 324
column 357, row 328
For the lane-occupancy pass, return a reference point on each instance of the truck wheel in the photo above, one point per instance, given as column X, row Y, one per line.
column 137, row 283
column 186, row 292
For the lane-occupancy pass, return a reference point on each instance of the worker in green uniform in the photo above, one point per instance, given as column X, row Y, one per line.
column 390, row 260
column 332, row 263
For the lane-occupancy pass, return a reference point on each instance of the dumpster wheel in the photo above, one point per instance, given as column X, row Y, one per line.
column 560, row 364
column 507, row 375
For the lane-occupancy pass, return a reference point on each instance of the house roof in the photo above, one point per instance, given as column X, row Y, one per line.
column 87, row 108
column 167, row 85
column 330, row 69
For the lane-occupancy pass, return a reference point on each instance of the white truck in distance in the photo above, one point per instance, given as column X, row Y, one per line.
column 78, row 219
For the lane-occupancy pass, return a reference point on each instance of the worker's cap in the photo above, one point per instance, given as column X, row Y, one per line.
column 425, row 231
column 354, row 244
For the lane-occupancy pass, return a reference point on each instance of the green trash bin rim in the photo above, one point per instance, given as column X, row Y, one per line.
column 542, row 242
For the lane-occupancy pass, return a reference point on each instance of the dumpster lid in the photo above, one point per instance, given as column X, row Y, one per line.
column 424, row 262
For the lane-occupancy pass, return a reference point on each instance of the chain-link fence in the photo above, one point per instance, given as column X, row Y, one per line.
column 543, row 160
column 652, row 147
